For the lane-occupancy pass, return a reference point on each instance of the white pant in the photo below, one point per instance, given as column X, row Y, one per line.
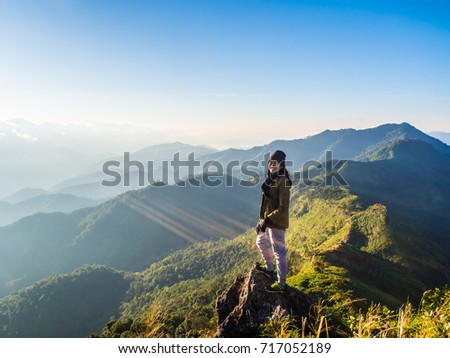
column 274, row 239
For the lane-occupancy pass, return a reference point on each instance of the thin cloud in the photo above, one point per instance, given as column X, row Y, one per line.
column 24, row 136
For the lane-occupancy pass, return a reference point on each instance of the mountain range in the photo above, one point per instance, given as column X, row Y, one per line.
column 90, row 184
column 343, row 144
column 382, row 237
column 128, row 232
column 44, row 203
column 43, row 154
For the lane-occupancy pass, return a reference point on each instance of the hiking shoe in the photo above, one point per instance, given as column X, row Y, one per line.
column 276, row 288
column 272, row 274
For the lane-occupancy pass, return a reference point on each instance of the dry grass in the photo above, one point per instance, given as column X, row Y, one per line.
column 430, row 320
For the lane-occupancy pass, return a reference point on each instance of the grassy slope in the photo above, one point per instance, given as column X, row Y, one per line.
column 69, row 305
column 339, row 249
column 338, row 244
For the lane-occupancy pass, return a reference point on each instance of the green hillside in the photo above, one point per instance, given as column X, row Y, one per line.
column 128, row 232
column 66, row 305
column 414, row 186
column 338, row 244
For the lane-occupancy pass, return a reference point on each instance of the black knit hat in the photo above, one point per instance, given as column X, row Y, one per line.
column 278, row 155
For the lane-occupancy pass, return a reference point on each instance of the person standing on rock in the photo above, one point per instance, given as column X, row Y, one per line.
column 274, row 220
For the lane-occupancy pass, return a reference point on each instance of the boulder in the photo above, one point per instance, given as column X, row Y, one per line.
column 246, row 305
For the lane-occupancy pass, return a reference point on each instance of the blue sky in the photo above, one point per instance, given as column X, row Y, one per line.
column 227, row 73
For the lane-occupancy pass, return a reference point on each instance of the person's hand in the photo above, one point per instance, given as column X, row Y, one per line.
column 261, row 227
column 264, row 225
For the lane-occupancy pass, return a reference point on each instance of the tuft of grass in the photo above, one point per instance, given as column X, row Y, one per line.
column 154, row 324
column 430, row 320
column 327, row 319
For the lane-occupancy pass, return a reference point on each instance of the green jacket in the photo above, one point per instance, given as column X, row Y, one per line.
column 275, row 208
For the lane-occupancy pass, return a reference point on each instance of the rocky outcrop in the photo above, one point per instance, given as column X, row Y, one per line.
column 246, row 305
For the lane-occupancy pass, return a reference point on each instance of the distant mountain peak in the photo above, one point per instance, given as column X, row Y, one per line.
column 407, row 125
column 24, row 194
column 174, row 146
column 404, row 148
column 414, row 148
